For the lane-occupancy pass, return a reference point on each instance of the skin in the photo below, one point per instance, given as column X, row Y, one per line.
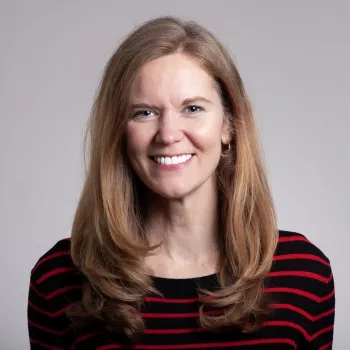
column 177, row 110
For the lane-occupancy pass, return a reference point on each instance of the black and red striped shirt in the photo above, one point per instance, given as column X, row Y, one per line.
column 300, row 283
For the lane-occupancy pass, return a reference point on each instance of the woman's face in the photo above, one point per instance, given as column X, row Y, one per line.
column 176, row 128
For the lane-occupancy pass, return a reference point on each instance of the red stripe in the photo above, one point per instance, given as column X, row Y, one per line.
column 326, row 346
column 324, row 314
column 292, row 239
column 174, row 331
column 85, row 337
column 303, row 312
column 171, row 301
column 307, row 336
column 50, row 330
column 301, row 256
column 207, row 345
column 38, row 342
column 178, row 315
column 49, row 257
column 54, row 272
column 56, row 292
column 307, row 274
column 323, row 330
column 47, row 313
column 287, row 324
column 300, row 292
column 266, row 324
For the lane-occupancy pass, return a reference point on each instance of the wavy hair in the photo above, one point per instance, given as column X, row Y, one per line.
column 108, row 242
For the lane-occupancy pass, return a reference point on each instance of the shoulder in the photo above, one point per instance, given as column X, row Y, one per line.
column 297, row 246
column 54, row 270
column 297, row 260
column 302, row 285
column 55, row 285
column 58, row 256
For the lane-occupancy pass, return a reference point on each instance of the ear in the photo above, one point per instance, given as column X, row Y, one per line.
column 226, row 134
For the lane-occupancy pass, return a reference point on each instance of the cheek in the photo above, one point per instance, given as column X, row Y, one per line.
column 208, row 136
column 135, row 140
column 138, row 139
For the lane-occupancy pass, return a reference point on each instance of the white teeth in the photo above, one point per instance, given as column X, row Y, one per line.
column 173, row 160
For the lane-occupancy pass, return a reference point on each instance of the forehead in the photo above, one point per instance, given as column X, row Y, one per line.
column 176, row 75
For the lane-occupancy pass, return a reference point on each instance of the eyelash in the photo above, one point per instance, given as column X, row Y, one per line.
column 199, row 109
column 138, row 113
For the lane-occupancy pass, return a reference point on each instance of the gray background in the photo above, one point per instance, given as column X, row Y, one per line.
column 294, row 57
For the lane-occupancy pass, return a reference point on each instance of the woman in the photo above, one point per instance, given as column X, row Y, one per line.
column 175, row 243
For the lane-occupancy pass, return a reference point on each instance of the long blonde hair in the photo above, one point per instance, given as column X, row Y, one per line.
column 108, row 243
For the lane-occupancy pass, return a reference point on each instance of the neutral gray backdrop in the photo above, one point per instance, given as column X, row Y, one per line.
column 294, row 57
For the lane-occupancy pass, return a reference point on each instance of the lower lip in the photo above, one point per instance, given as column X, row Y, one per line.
column 172, row 166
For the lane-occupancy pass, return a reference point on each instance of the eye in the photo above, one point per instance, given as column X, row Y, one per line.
column 194, row 109
column 142, row 113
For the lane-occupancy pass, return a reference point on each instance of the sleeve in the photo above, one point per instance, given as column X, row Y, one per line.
column 322, row 327
column 45, row 326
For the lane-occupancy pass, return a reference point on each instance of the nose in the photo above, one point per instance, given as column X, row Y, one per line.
column 169, row 129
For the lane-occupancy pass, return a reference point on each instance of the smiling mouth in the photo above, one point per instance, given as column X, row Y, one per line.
column 173, row 160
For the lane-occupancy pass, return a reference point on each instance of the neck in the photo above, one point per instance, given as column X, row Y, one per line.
column 187, row 228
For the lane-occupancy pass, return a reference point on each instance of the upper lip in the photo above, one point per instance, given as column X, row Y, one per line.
column 172, row 155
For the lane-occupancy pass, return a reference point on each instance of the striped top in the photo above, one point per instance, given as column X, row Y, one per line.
column 300, row 283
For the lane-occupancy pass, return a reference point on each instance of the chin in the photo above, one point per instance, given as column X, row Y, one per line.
column 176, row 189
column 174, row 194
column 171, row 192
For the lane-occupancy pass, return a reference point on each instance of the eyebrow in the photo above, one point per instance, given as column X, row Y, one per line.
column 190, row 100
column 185, row 102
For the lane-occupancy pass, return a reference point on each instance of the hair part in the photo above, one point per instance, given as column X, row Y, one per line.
column 108, row 242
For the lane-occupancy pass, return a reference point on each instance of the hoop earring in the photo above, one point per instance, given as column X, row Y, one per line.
column 227, row 150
